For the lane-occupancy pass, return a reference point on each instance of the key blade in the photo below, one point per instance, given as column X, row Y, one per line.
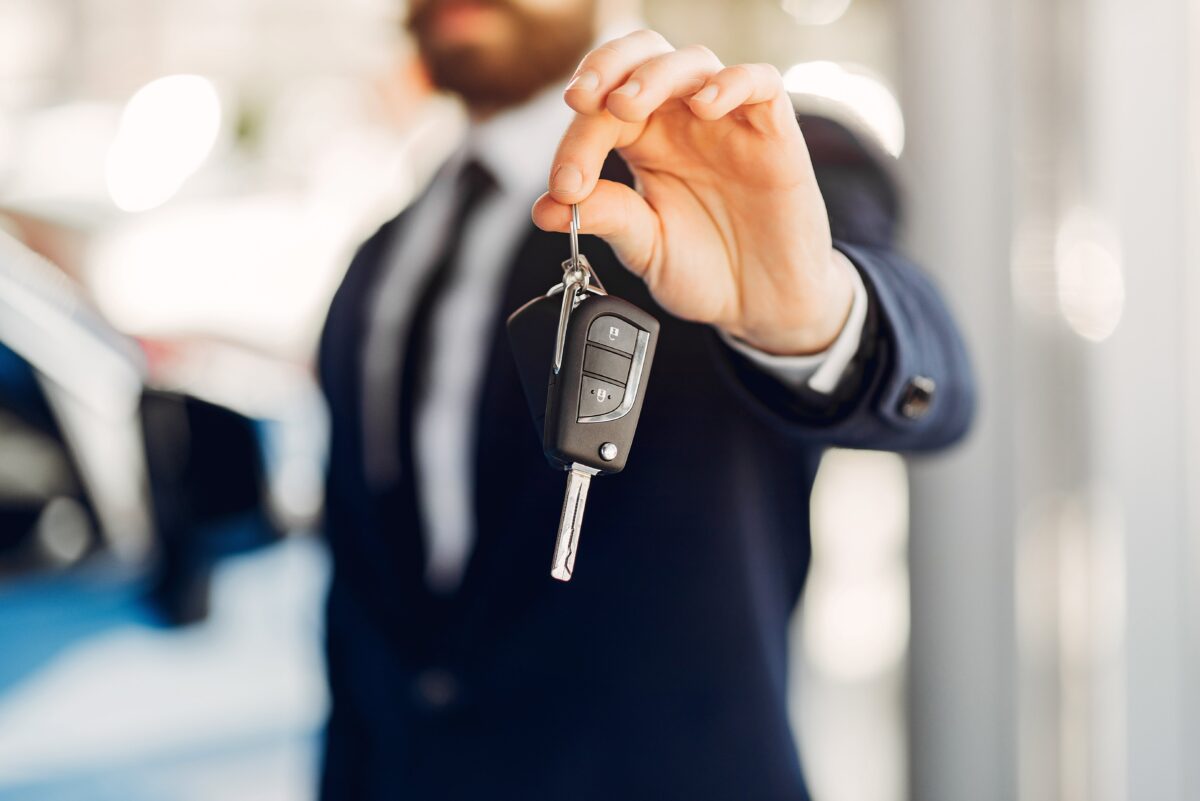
column 567, row 545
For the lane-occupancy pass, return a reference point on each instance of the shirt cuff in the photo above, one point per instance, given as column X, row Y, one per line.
column 819, row 372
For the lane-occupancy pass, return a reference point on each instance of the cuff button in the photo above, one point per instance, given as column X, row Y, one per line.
column 917, row 397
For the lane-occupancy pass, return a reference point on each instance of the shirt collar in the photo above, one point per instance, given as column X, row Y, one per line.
column 517, row 145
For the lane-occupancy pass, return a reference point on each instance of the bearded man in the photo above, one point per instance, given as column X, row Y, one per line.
column 763, row 242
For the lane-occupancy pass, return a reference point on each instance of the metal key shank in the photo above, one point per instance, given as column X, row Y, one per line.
column 566, row 545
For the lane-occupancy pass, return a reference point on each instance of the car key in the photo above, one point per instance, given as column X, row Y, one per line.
column 593, row 404
column 600, row 358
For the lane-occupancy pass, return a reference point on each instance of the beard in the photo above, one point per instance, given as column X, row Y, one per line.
column 540, row 47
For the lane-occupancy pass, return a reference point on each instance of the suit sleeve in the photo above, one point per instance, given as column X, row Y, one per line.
column 909, row 386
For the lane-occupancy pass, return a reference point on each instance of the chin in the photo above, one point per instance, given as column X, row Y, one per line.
column 493, row 57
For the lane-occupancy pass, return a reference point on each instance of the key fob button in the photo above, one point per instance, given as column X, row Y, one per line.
column 606, row 363
column 599, row 397
column 613, row 332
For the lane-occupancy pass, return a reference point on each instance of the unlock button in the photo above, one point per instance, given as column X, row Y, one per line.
column 599, row 397
column 613, row 332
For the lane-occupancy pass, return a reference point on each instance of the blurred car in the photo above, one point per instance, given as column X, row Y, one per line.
column 95, row 464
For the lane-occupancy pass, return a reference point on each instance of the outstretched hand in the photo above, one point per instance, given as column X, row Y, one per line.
column 727, row 225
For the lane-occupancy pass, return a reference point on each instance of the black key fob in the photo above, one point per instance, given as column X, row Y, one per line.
column 589, row 409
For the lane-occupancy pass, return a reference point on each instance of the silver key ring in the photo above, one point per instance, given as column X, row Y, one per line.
column 578, row 263
column 578, row 278
column 575, row 234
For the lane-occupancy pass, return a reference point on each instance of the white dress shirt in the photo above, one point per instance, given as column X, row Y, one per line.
column 517, row 147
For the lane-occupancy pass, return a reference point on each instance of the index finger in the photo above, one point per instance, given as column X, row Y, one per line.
column 581, row 153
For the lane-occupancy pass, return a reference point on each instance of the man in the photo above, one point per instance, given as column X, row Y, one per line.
column 459, row 669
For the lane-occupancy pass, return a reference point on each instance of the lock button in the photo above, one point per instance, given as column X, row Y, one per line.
column 613, row 332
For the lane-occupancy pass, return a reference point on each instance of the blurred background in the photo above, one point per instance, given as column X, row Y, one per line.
column 182, row 184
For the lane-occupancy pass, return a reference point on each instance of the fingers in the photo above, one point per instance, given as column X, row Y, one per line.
column 676, row 74
column 609, row 66
column 620, row 84
column 636, row 74
column 614, row 212
column 757, row 87
column 645, row 83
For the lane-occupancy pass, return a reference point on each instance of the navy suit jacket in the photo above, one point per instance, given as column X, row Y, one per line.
column 659, row 671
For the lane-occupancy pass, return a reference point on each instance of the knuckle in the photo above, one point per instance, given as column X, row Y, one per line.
column 651, row 37
column 770, row 75
column 702, row 51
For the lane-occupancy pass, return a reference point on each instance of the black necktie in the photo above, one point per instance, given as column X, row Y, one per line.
column 474, row 183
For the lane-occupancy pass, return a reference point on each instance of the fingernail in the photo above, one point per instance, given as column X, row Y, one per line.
column 706, row 95
column 566, row 179
column 630, row 87
column 588, row 81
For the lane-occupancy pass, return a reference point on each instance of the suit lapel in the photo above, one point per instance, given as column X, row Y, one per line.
column 342, row 342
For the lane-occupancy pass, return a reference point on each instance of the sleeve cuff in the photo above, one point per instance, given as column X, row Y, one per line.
column 817, row 372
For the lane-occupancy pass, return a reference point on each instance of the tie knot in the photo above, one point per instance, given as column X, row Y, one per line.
column 474, row 183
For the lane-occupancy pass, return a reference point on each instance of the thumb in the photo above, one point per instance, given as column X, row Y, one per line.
column 613, row 212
